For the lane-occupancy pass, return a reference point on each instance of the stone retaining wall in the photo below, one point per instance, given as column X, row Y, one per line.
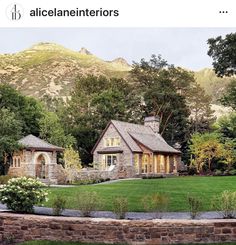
column 16, row 228
column 95, row 174
column 116, row 173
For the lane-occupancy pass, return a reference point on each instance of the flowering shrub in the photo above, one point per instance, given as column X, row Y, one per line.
column 21, row 194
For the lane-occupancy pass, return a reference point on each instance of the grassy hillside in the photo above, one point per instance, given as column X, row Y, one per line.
column 51, row 69
column 213, row 85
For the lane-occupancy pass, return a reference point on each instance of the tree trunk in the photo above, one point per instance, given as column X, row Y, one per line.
column 5, row 163
column 209, row 164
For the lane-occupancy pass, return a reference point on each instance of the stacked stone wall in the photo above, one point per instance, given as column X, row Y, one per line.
column 16, row 228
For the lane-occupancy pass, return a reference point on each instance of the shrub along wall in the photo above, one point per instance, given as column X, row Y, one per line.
column 18, row 228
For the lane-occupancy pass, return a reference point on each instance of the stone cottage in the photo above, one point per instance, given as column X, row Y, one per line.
column 37, row 159
column 133, row 150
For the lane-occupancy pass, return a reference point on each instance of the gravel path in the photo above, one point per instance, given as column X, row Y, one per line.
column 129, row 215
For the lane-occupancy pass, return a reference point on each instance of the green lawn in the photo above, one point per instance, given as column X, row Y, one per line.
column 176, row 188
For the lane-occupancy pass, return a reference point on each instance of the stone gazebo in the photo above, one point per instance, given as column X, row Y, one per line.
column 37, row 159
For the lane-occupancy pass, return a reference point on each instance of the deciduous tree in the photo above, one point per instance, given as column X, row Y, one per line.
column 229, row 98
column 223, row 52
column 164, row 89
column 200, row 106
column 204, row 148
column 72, row 163
column 26, row 109
column 94, row 102
column 10, row 133
column 52, row 131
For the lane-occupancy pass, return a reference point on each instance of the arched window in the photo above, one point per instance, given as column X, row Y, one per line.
column 16, row 162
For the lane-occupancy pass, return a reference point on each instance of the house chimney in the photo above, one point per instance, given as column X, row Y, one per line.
column 153, row 122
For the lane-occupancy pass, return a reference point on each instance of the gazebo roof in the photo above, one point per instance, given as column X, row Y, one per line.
column 33, row 142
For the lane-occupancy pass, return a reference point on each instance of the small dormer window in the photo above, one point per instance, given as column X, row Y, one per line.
column 112, row 142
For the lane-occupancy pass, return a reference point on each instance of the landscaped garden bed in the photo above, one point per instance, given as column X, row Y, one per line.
column 124, row 195
column 171, row 198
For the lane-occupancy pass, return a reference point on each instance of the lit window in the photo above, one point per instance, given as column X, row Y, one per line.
column 111, row 142
column 109, row 160
column 136, row 162
column 162, row 164
column 117, row 141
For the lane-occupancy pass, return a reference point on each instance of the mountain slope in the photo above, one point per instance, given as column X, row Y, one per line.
column 51, row 69
column 213, row 85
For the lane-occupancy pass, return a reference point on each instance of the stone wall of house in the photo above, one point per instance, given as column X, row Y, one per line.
column 27, row 166
column 16, row 172
column 15, row 228
column 125, row 158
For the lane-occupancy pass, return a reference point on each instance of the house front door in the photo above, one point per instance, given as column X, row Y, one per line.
column 40, row 167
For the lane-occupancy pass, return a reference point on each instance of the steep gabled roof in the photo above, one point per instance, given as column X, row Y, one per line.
column 33, row 142
column 133, row 134
column 153, row 142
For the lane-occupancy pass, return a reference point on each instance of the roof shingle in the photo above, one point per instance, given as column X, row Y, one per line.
column 131, row 133
column 34, row 142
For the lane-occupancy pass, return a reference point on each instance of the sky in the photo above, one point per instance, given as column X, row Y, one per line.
column 185, row 47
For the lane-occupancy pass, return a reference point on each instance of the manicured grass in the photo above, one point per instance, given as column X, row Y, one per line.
column 176, row 188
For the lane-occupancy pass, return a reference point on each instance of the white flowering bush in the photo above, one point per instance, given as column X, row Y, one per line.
column 21, row 194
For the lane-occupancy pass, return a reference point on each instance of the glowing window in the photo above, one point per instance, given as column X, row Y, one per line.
column 111, row 142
